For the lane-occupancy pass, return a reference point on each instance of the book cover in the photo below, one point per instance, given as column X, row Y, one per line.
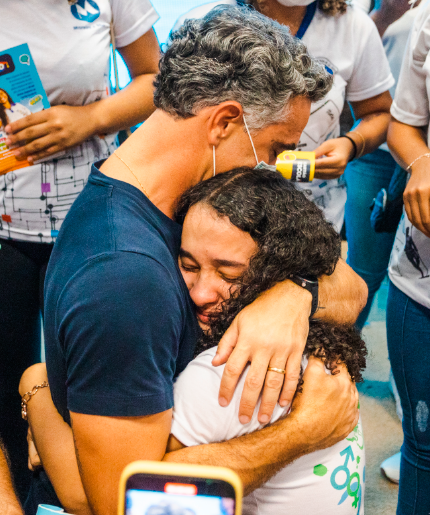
column 21, row 93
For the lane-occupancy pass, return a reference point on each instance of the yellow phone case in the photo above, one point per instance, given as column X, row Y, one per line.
column 164, row 468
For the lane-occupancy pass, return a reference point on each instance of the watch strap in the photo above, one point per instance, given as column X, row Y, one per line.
column 311, row 285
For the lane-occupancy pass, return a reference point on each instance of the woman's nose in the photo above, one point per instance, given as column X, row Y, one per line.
column 204, row 292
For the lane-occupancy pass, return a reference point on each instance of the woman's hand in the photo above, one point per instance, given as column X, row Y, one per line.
column 272, row 331
column 34, row 462
column 417, row 196
column 47, row 132
column 337, row 154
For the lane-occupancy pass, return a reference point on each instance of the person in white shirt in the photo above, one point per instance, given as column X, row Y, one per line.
column 70, row 45
column 408, row 306
column 243, row 231
column 345, row 39
column 369, row 251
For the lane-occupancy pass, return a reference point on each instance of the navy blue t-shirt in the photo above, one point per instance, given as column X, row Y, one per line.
column 119, row 323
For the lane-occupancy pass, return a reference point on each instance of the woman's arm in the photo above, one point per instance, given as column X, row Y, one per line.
column 368, row 135
column 407, row 143
column 53, row 439
column 47, row 132
column 388, row 12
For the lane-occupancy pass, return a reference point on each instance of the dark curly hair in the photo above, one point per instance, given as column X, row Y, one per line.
column 330, row 7
column 292, row 237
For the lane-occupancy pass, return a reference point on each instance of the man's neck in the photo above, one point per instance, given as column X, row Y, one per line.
column 163, row 158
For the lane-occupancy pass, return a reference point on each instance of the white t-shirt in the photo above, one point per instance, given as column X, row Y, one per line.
column 351, row 47
column 363, row 4
column 409, row 266
column 70, row 46
column 395, row 40
column 328, row 482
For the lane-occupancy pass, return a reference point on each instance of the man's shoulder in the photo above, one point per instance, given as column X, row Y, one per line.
column 116, row 275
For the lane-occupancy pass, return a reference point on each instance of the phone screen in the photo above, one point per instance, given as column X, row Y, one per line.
column 150, row 494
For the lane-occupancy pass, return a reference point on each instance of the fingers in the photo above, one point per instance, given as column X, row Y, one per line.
column 413, row 212
column 273, row 383
column 226, row 345
column 27, row 121
column 418, row 203
column 254, row 382
column 27, row 135
column 232, row 372
column 324, row 148
column 36, row 148
column 292, row 376
column 33, row 456
column 44, row 154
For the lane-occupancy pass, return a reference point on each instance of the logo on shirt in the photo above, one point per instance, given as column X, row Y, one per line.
column 6, row 64
column 85, row 10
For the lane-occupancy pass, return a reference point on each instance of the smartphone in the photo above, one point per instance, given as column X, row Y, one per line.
column 161, row 488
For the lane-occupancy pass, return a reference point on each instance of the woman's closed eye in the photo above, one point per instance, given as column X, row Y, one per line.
column 230, row 279
column 188, row 267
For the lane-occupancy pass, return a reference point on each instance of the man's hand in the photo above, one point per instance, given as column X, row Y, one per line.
column 328, row 406
column 47, row 132
column 417, row 196
column 337, row 153
column 270, row 332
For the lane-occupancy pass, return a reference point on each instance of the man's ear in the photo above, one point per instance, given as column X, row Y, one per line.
column 223, row 120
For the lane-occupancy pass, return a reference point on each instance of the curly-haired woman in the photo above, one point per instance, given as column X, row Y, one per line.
column 347, row 42
column 243, row 231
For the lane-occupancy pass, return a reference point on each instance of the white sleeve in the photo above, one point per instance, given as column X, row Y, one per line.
column 131, row 20
column 411, row 102
column 197, row 416
column 371, row 74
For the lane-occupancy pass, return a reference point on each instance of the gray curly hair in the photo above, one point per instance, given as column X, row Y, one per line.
column 235, row 53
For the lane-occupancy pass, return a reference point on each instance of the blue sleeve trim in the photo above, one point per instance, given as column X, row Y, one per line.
column 119, row 406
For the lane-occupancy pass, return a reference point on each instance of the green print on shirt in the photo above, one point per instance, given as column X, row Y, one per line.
column 341, row 477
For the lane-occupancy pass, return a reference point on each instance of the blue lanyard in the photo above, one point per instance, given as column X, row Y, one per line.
column 309, row 16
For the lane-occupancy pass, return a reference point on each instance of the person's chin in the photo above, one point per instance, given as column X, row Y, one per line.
column 203, row 322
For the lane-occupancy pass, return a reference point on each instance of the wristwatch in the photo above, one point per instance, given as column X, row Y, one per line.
column 312, row 286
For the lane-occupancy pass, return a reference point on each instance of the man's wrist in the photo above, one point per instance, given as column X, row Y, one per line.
column 311, row 286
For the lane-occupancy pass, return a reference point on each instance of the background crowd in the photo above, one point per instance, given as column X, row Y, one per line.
column 369, row 149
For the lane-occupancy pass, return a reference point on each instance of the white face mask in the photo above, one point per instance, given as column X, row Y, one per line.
column 295, row 3
column 260, row 164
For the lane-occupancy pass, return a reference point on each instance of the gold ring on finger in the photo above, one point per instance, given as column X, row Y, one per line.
column 278, row 370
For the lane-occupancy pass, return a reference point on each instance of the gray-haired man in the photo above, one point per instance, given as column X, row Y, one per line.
column 234, row 89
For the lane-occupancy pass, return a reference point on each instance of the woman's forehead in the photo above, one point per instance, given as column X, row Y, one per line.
column 204, row 231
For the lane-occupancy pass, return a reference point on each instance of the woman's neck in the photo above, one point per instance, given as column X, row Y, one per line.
column 292, row 17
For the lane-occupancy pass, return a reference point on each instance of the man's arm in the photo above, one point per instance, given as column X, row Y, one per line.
column 325, row 413
column 105, row 445
column 322, row 415
column 272, row 331
column 9, row 504
column 342, row 295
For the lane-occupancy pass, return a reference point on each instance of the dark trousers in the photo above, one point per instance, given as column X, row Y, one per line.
column 408, row 335
column 22, row 273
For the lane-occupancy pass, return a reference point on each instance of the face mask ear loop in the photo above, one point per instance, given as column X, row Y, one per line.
column 250, row 139
column 214, row 160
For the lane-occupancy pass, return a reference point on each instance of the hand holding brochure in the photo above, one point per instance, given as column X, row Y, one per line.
column 21, row 94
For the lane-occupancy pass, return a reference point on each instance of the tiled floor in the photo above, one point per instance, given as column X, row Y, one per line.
column 382, row 428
